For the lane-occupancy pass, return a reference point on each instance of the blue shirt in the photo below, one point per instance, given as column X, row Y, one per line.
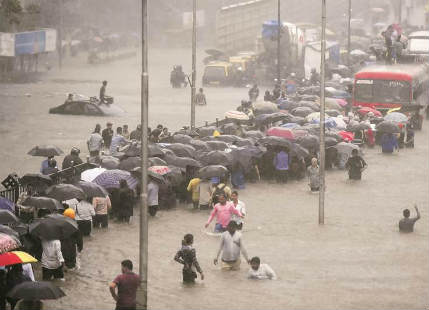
column 281, row 161
column 117, row 140
column 389, row 143
column 45, row 164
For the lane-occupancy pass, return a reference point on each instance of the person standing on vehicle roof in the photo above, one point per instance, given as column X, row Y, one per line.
column 103, row 92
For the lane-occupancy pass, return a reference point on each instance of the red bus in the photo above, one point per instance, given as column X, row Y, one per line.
column 386, row 87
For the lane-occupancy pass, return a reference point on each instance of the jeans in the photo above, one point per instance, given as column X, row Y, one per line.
column 219, row 228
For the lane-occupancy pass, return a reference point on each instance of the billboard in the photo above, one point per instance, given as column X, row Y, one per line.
column 7, row 44
column 27, row 43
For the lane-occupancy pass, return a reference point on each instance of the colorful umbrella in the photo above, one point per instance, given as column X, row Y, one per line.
column 16, row 257
column 111, row 178
column 396, row 117
column 162, row 170
column 346, row 135
column 8, row 243
column 90, row 174
column 6, row 204
column 366, row 110
column 281, row 132
column 237, row 115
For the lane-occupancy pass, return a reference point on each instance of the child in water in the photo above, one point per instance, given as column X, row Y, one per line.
column 187, row 256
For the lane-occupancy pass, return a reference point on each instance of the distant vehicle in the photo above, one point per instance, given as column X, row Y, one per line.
column 397, row 86
column 418, row 46
column 81, row 105
column 219, row 73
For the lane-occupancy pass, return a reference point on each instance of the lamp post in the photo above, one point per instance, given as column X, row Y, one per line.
column 194, row 57
column 322, row 119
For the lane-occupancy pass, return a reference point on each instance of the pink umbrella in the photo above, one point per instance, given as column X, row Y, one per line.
column 341, row 102
column 8, row 243
column 161, row 170
column 366, row 110
column 346, row 135
column 281, row 132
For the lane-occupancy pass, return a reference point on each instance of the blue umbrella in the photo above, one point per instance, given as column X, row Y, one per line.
column 291, row 125
column 111, row 178
column 6, row 204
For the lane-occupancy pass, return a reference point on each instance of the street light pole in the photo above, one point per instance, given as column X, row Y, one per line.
column 60, row 35
column 278, row 42
column 194, row 57
column 322, row 119
column 349, row 32
column 144, row 238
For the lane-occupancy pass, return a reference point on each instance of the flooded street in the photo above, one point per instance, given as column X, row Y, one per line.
column 357, row 260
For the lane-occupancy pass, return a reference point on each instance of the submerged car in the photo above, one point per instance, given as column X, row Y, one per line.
column 80, row 105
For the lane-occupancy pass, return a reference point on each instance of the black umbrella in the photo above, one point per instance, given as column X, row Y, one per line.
column 91, row 189
column 358, row 126
column 229, row 129
column 255, row 134
column 212, row 171
column 302, row 111
column 298, row 151
column 130, row 163
column 45, row 151
column 207, row 131
column 262, row 119
column 156, row 161
column 63, row 192
column 182, row 162
column 200, row 145
column 295, row 119
column 53, row 226
column 109, row 162
column 155, row 151
column 226, row 138
column 217, row 145
column 7, row 217
column 8, row 231
column 43, row 203
column 35, row 290
column 36, row 180
column 276, row 141
column 181, row 150
column 156, row 176
column 217, row 158
column 335, row 135
column 310, row 104
column 175, row 176
column 333, row 113
column 245, row 142
column 134, row 149
column 309, row 141
column 181, row 138
column 188, row 132
column 330, row 141
column 388, row 127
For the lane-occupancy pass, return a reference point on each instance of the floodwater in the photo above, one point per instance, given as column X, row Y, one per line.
column 357, row 260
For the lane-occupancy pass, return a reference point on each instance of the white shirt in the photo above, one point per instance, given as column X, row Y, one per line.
column 27, row 270
column 239, row 207
column 84, row 211
column 52, row 257
column 152, row 194
column 95, row 142
column 264, row 272
column 205, row 192
column 231, row 246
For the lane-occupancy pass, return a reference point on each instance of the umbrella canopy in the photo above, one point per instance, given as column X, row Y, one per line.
column 7, row 217
column 330, row 141
column 236, row 115
column 299, row 151
column 133, row 149
column 346, row 148
column 396, row 117
column 92, row 189
column 8, row 243
column 43, row 203
column 346, row 135
column 63, row 192
column 8, row 231
column 281, row 132
column 35, row 290
column 291, row 125
column 109, row 162
column 182, row 162
column 340, row 122
column 200, row 145
column 332, row 113
column 130, row 163
column 181, row 150
column 206, row 131
column 315, row 117
column 388, row 127
column 255, row 134
column 225, row 138
column 156, row 161
column 45, row 151
column 156, row 176
column 366, row 110
column 217, row 158
column 276, row 141
column 16, row 257
column 162, row 170
column 181, row 138
column 6, row 204
column 309, row 141
column 53, row 226
column 175, row 176
column 111, row 178
column 90, row 174
column 302, row 111
column 155, row 151
column 265, row 107
column 212, row 171
column 359, row 126
column 36, row 180
column 332, row 104
column 217, row 145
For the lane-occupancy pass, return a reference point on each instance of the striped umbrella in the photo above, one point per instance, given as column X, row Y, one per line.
column 111, row 178
column 90, row 174
column 16, row 257
column 8, row 243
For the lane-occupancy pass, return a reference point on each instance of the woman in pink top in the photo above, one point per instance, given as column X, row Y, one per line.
column 223, row 211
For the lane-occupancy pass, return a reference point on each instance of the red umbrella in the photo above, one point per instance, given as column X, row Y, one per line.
column 8, row 243
column 281, row 132
column 366, row 110
column 346, row 135
column 161, row 170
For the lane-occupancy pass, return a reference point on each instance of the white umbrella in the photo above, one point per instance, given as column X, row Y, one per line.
column 315, row 117
column 90, row 174
column 237, row 115
column 340, row 122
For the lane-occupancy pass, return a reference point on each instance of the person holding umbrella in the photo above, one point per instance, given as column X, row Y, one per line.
column 355, row 164
column 14, row 277
column 389, row 143
column 52, row 260
column 70, row 244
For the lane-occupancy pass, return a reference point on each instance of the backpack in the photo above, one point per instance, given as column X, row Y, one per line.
column 217, row 192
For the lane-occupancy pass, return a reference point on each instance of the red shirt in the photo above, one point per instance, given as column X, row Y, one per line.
column 127, row 287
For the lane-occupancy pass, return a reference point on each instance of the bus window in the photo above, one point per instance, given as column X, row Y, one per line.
column 382, row 91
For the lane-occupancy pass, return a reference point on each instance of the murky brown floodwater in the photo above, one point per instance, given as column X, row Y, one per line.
column 357, row 260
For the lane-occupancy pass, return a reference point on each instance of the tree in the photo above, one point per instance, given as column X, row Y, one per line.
column 10, row 15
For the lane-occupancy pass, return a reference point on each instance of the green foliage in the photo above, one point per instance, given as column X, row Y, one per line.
column 10, row 14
